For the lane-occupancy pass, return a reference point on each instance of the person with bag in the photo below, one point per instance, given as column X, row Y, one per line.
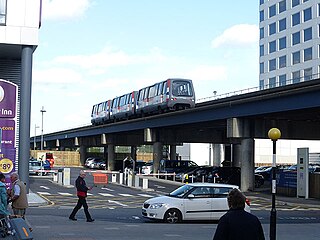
column 3, row 196
column 82, row 190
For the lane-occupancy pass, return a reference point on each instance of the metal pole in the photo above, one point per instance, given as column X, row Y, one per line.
column 35, row 134
column 42, row 111
column 273, row 213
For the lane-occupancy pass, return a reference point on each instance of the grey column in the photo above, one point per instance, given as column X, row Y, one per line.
column 157, row 156
column 134, row 153
column 83, row 153
column 111, row 161
column 247, row 164
column 217, row 156
column 236, row 155
column 25, row 109
column 173, row 152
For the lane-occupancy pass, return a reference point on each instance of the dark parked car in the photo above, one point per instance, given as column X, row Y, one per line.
column 176, row 166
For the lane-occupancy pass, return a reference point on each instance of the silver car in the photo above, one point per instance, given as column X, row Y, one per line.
column 196, row 201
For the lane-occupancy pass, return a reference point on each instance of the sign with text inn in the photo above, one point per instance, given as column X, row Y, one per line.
column 8, row 99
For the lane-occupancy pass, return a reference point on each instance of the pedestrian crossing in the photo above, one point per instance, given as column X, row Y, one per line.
column 100, row 194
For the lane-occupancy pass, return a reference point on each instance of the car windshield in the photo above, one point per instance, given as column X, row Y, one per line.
column 179, row 192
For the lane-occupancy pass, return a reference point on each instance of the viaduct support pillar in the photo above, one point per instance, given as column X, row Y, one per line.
column 83, row 153
column 173, row 152
column 157, row 155
column 216, row 159
column 111, row 154
column 236, row 155
column 134, row 153
column 247, row 164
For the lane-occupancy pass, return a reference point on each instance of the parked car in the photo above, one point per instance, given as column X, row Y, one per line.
column 191, row 173
column 35, row 168
column 175, row 166
column 148, row 168
column 196, row 201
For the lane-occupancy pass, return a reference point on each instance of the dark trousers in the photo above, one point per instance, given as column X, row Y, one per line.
column 81, row 202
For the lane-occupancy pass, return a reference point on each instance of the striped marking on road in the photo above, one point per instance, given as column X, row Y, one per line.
column 106, row 194
column 125, row 195
column 118, row 203
column 44, row 187
column 44, row 193
column 145, row 195
column 108, row 189
column 158, row 186
column 65, row 194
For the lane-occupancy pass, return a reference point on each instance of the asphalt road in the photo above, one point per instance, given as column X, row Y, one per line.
column 117, row 213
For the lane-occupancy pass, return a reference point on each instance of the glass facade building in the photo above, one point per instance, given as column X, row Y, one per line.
column 289, row 41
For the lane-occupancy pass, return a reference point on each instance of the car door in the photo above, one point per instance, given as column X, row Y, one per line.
column 219, row 201
column 198, row 204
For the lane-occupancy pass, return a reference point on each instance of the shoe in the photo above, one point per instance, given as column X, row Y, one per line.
column 90, row 220
column 73, row 219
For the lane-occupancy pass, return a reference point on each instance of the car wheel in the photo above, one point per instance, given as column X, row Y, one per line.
column 173, row 216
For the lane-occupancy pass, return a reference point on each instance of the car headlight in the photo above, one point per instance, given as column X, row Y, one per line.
column 156, row 205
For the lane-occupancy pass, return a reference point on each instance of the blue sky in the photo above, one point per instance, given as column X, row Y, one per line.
column 93, row 50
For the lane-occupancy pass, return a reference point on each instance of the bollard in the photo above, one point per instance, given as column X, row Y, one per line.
column 129, row 180
column 136, row 181
column 145, row 183
column 66, row 177
column 60, row 176
column 121, row 178
column 55, row 177
column 114, row 178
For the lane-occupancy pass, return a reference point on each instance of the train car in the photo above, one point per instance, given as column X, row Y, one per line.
column 123, row 107
column 101, row 113
column 172, row 94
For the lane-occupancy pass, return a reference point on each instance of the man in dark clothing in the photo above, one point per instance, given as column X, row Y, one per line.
column 82, row 190
column 237, row 224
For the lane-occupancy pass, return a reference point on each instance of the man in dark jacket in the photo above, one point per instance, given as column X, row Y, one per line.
column 82, row 190
column 237, row 224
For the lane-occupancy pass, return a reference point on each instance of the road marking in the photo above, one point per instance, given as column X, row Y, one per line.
column 158, row 186
column 125, row 195
column 108, row 189
column 44, row 187
column 89, row 194
column 65, row 194
column 42, row 227
column 44, row 193
column 144, row 195
column 111, row 228
column 116, row 202
column 172, row 235
column 106, row 194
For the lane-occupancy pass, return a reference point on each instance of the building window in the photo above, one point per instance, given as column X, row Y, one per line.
column 261, row 84
column 282, row 24
column 261, row 2
column 307, row 34
column 295, row 3
column 282, row 6
column 272, row 10
column 272, row 82
column 272, row 64
column 282, row 43
column 295, row 57
column 282, row 80
column 261, row 15
column 282, row 61
column 272, row 46
column 307, row 73
column 296, row 19
column 261, row 33
column 262, row 50
column 295, row 38
column 272, row 28
column 319, row 10
column 307, row 54
column 261, row 68
column 3, row 10
column 296, row 77
column 307, row 14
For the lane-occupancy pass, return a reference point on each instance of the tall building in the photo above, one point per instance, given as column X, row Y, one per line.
column 289, row 41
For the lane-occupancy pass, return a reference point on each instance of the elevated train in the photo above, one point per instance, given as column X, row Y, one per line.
column 168, row 95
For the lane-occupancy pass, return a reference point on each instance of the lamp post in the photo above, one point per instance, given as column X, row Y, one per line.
column 274, row 134
column 35, row 134
column 42, row 111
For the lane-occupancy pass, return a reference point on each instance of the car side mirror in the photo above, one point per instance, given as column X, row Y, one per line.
column 190, row 196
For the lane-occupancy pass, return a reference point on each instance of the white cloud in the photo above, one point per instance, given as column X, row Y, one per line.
column 64, row 9
column 241, row 35
column 56, row 76
column 208, row 73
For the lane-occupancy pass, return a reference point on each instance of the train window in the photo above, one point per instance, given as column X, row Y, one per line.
column 181, row 88
column 164, row 88
column 122, row 100
column 152, row 91
column 115, row 102
column 145, row 96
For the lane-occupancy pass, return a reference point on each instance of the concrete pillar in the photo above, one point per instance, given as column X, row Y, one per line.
column 25, row 109
column 217, row 155
column 83, row 152
column 236, row 155
column 111, row 154
column 173, row 152
column 157, row 155
column 247, row 164
column 134, row 153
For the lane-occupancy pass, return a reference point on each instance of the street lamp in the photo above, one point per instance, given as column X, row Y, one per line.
column 42, row 111
column 35, row 134
column 274, row 134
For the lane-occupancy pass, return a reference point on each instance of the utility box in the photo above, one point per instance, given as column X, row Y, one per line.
column 303, row 172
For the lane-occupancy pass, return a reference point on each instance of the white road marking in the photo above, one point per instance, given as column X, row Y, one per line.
column 125, row 195
column 158, row 186
column 89, row 194
column 172, row 235
column 111, row 228
column 106, row 194
column 144, row 195
column 42, row 227
column 108, row 189
column 44, row 187
column 65, row 194
column 44, row 193
column 116, row 202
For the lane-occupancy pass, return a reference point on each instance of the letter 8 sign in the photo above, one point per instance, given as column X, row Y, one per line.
column 6, row 165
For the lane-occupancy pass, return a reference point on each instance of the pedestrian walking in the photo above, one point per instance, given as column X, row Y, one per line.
column 238, row 224
column 3, row 196
column 82, row 190
column 18, row 195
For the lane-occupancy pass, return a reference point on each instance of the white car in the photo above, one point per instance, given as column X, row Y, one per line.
column 196, row 201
